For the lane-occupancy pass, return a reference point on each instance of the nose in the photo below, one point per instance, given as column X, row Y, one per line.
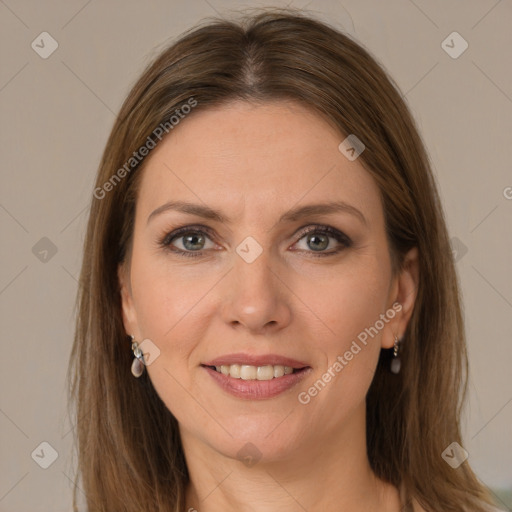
column 256, row 296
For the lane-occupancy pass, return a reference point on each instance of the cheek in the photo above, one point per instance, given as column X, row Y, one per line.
column 350, row 303
column 167, row 303
column 168, row 308
column 348, row 300
column 165, row 289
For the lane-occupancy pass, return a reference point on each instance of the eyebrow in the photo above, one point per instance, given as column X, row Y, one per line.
column 290, row 216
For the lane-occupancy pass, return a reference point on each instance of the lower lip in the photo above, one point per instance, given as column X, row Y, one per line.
column 257, row 389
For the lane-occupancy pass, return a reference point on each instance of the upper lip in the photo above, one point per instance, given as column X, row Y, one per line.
column 255, row 360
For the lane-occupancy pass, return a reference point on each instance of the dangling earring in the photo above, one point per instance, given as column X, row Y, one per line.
column 138, row 363
column 395, row 362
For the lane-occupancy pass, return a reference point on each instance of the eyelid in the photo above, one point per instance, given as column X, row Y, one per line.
column 175, row 233
column 328, row 230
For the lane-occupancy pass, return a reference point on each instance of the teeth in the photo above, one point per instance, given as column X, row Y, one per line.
column 278, row 371
column 248, row 372
column 234, row 371
column 265, row 372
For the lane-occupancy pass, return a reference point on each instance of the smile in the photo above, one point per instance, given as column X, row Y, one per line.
column 249, row 372
column 263, row 380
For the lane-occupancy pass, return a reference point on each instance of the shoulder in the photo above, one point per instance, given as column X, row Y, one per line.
column 416, row 507
column 490, row 508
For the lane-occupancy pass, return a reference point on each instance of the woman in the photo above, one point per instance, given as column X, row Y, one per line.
column 269, row 313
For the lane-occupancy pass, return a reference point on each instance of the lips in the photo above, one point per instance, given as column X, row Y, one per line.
column 253, row 377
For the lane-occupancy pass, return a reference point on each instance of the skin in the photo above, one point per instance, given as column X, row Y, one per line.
column 253, row 163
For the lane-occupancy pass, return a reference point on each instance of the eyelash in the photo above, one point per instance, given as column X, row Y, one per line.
column 340, row 237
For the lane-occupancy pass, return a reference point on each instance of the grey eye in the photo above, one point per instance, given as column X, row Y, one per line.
column 317, row 242
column 191, row 241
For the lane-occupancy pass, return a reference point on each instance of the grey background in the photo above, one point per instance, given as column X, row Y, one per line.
column 56, row 115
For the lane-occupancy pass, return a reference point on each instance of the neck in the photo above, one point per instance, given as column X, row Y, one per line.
column 327, row 472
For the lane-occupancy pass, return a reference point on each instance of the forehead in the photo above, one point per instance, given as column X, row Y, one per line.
column 245, row 156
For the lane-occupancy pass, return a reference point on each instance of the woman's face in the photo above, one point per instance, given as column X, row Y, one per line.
column 258, row 243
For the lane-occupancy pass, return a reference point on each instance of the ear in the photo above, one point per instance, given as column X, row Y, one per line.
column 127, row 306
column 402, row 298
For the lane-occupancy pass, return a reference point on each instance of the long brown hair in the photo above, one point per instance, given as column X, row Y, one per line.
column 130, row 456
